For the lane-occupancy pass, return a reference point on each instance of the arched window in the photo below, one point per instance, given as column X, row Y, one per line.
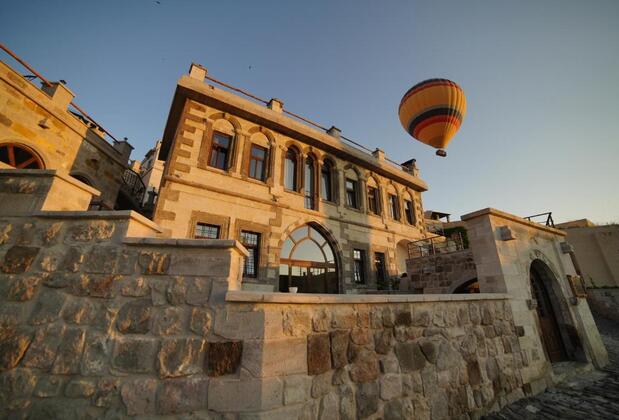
column 307, row 261
column 20, row 156
column 309, row 183
column 326, row 181
column 290, row 170
column 409, row 209
column 374, row 200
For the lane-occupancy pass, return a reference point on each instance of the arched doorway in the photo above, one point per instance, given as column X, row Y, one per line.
column 307, row 261
column 401, row 255
column 20, row 157
column 547, row 311
column 470, row 286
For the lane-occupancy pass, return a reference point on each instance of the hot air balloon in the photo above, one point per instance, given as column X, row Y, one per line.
column 432, row 111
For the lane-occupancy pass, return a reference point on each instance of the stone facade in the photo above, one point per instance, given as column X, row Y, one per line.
column 440, row 273
column 39, row 119
column 193, row 191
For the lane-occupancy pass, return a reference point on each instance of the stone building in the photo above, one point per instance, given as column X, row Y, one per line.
column 151, row 171
column 314, row 212
column 41, row 129
column 109, row 314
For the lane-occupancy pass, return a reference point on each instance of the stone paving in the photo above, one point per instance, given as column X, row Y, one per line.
column 593, row 396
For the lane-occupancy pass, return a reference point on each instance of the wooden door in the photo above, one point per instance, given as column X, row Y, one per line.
column 551, row 337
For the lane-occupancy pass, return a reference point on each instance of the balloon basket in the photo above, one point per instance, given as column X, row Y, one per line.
column 441, row 153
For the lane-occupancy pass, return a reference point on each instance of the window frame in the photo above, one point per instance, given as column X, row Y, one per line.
column 374, row 201
column 264, row 161
column 254, row 249
column 409, row 212
column 394, row 207
column 383, row 261
column 216, row 149
column 327, row 169
column 354, row 191
column 295, row 171
column 309, row 182
column 359, row 274
column 207, row 225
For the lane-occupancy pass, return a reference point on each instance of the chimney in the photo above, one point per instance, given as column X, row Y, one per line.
column 61, row 95
column 198, row 72
column 379, row 154
column 276, row 105
column 334, row 132
column 410, row 166
column 124, row 148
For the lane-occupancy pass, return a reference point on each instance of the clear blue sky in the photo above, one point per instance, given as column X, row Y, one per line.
column 541, row 79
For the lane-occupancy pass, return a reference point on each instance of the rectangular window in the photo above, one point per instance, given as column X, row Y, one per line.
column 220, row 148
column 393, row 207
column 408, row 208
column 351, row 193
column 373, row 200
column 251, row 241
column 379, row 266
column 257, row 162
column 290, row 170
column 206, row 231
column 359, row 262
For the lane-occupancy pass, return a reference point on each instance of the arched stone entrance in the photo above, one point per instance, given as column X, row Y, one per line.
column 549, row 311
column 308, row 261
column 401, row 255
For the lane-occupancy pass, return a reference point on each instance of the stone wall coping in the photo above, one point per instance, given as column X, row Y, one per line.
column 511, row 217
column 92, row 215
column 189, row 243
column 24, row 173
column 244, row 296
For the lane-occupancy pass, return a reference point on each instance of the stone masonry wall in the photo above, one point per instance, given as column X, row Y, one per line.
column 604, row 302
column 422, row 360
column 94, row 324
column 440, row 273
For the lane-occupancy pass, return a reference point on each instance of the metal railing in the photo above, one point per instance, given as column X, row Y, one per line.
column 547, row 219
column 435, row 245
column 133, row 185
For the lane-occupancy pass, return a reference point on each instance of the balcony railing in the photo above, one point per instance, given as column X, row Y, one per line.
column 542, row 218
column 435, row 245
column 133, row 185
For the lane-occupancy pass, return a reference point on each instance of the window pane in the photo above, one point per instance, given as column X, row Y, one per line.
column 258, row 152
column 307, row 250
column 206, row 231
column 309, row 183
column 290, row 179
column 221, row 140
column 358, row 270
column 326, row 185
column 409, row 211
column 351, row 193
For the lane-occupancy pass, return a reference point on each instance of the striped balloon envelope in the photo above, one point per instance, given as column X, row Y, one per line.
column 432, row 112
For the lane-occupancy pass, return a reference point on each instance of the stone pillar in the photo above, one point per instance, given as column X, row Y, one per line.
column 379, row 154
column 198, row 72
column 334, row 132
column 276, row 105
column 60, row 94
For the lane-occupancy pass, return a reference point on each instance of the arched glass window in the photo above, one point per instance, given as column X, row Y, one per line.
column 20, row 156
column 309, row 183
column 307, row 261
column 326, row 182
column 290, row 170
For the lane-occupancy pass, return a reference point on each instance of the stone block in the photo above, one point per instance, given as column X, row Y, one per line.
column 134, row 355
column 154, row 262
column 223, row 358
column 411, row 356
column 383, row 341
column 16, row 383
column 318, row 353
column 134, row 317
column 367, row 399
column 18, row 259
column 48, row 307
column 258, row 394
column 107, row 393
column 198, row 291
column 448, row 357
column 348, row 409
column 343, row 318
column 180, row 357
column 13, row 345
column 73, row 259
column 69, row 352
column 80, row 388
column 297, row 323
column 328, row 406
column 430, row 349
column 200, row 321
column 127, row 262
column 297, row 389
column 48, row 386
column 101, row 259
column 43, row 349
column 134, row 287
column 360, row 336
column 78, row 311
column 404, row 318
column 339, row 348
column 322, row 384
column 320, row 321
column 95, row 360
column 390, row 386
column 422, row 318
column 389, row 364
column 139, row 396
column 399, row 409
column 23, row 288
column 286, row 356
column 97, row 230
column 364, row 367
column 168, row 321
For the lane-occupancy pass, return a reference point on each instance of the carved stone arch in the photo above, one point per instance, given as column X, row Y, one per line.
column 230, row 118
column 83, row 177
column 294, row 146
column 328, row 235
column 458, row 285
column 21, row 155
column 212, row 126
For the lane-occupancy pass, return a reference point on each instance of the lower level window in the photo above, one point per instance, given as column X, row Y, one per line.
column 359, row 262
column 206, row 231
column 251, row 241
